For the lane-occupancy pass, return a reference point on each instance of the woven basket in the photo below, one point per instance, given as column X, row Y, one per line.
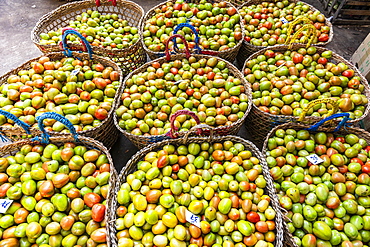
column 128, row 58
column 106, row 132
column 229, row 54
column 142, row 141
column 259, row 123
column 131, row 167
column 11, row 149
column 247, row 49
column 298, row 126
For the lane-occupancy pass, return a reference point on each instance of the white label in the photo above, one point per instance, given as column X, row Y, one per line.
column 314, row 159
column 75, row 71
column 192, row 218
column 4, row 205
column 283, row 20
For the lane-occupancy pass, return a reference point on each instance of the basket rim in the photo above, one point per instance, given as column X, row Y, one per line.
column 327, row 23
column 271, row 191
column 150, row 12
column 60, row 54
column 336, row 57
column 237, row 73
column 74, row 5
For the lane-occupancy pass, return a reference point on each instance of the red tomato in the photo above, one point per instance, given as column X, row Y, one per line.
column 367, row 149
column 357, row 160
column 348, row 73
column 91, row 199
column 366, row 169
column 297, row 58
column 322, row 60
column 190, row 91
column 98, row 212
column 253, row 217
column 270, row 53
column 341, row 139
column 323, row 37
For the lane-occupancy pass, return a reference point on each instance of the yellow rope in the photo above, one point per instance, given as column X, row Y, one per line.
column 331, row 103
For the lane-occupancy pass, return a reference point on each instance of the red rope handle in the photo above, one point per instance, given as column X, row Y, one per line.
column 114, row 2
column 167, row 50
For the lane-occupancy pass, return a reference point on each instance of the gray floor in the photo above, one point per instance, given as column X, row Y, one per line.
column 18, row 17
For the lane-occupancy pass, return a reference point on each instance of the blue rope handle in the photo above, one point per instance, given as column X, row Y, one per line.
column 16, row 120
column 47, row 115
column 66, row 50
column 182, row 25
column 342, row 123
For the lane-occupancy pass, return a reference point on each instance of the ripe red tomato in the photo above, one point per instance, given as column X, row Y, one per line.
column 323, row 37
column 98, row 212
column 341, row 139
column 367, row 149
column 101, row 113
column 322, row 60
column 257, row 16
column 348, row 73
column 357, row 160
column 253, row 217
column 91, row 199
column 366, row 169
column 297, row 58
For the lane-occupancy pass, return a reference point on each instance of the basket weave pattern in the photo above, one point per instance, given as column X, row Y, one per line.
column 106, row 132
column 131, row 167
column 129, row 58
column 259, row 123
column 247, row 49
column 142, row 141
column 229, row 54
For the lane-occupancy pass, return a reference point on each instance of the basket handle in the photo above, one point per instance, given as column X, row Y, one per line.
column 187, row 52
column 331, row 102
column 16, row 120
column 65, row 48
column 198, row 49
column 342, row 123
column 114, row 2
column 197, row 128
column 173, row 132
column 307, row 25
column 52, row 115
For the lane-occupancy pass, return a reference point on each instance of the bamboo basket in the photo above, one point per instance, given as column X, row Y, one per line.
column 131, row 167
column 128, row 58
column 141, row 141
column 229, row 54
column 247, row 49
column 340, row 129
column 106, row 132
column 259, row 123
column 12, row 148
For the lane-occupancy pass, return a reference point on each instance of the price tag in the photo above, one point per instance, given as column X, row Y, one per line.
column 75, row 71
column 314, row 159
column 283, row 20
column 193, row 219
column 4, row 205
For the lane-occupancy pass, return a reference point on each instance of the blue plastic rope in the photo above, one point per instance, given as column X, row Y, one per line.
column 182, row 25
column 67, row 51
column 52, row 115
column 3, row 138
column 16, row 120
column 343, row 122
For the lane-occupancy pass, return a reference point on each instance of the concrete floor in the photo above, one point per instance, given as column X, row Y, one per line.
column 18, row 17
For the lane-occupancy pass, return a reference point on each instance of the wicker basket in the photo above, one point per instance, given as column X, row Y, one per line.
column 131, row 167
column 106, row 132
column 259, row 123
column 229, row 54
column 142, row 141
column 298, row 126
column 247, row 49
column 11, row 149
column 128, row 58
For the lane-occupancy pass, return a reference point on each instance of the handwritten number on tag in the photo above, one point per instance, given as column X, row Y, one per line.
column 314, row 159
column 4, row 205
column 191, row 218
